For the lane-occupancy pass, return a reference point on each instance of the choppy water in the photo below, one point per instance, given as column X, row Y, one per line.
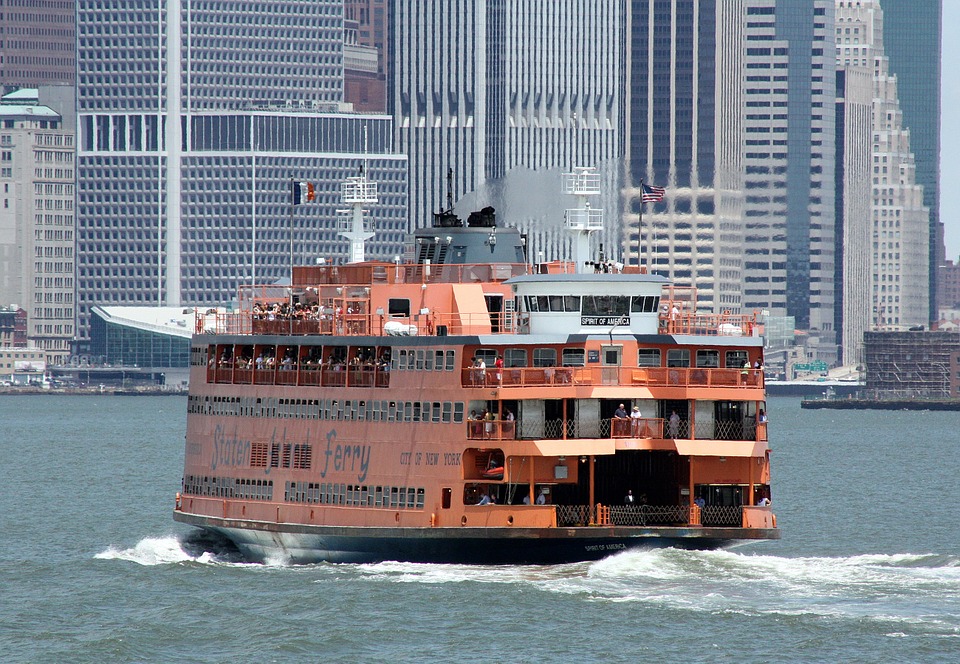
column 93, row 569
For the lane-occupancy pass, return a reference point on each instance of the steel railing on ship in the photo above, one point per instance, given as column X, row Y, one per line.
column 651, row 377
column 649, row 515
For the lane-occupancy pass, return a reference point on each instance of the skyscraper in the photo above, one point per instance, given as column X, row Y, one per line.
column 789, row 268
column 190, row 135
column 508, row 94
column 900, row 221
column 686, row 67
column 912, row 36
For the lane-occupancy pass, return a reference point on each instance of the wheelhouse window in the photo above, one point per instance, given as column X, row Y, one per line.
column 606, row 305
column 553, row 303
column 678, row 357
column 544, row 357
column 648, row 357
column 573, row 357
column 644, row 303
column 708, row 359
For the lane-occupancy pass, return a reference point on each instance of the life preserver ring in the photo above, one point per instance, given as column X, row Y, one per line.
column 199, row 324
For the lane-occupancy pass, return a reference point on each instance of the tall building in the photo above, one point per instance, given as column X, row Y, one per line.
column 789, row 164
column 912, row 36
column 37, row 43
column 854, row 220
column 686, row 74
column 190, row 137
column 37, row 221
column 472, row 93
column 901, row 228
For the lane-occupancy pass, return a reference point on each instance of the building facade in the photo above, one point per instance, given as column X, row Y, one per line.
column 473, row 95
column 789, row 230
column 189, row 140
column 912, row 364
column 854, row 222
column 912, row 39
column 686, row 74
column 37, row 43
column 37, row 222
column 901, row 228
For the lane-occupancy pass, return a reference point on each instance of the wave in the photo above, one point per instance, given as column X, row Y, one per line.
column 202, row 548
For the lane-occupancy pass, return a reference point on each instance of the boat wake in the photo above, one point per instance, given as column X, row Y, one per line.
column 902, row 588
column 198, row 547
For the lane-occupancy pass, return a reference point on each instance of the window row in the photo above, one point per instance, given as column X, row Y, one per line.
column 355, row 495
column 228, row 487
column 371, row 410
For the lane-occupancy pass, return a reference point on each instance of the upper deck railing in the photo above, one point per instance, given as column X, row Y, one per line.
column 647, row 376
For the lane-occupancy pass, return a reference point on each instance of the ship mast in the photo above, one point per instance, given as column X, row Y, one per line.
column 354, row 224
column 582, row 220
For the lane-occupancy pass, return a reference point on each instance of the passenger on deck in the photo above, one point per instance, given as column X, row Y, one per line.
column 542, row 498
column 628, row 499
column 620, row 412
column 485, row 499
column 635, row 421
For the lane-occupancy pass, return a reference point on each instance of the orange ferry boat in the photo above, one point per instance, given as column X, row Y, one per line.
column 466, row 407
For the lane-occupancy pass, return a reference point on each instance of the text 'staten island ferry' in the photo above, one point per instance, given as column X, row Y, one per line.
column 466, row 407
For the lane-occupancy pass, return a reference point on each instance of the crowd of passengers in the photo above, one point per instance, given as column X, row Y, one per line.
column 300, row 311
column 267, row 360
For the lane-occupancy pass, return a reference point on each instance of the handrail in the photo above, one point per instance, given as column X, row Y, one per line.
column 646, row 376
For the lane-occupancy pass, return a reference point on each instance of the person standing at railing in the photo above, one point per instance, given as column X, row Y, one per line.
column 498, row 365
column 745, row 372
column 635, row 417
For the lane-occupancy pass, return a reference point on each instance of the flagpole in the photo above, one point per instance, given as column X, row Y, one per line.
column 291, row 231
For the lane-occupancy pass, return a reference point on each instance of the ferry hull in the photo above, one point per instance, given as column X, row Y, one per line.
column 304, row 544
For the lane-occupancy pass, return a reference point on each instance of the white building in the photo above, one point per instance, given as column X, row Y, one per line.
column 37, row 223
column 900, row 263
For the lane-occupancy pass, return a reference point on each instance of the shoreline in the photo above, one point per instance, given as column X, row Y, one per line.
column 158, row 391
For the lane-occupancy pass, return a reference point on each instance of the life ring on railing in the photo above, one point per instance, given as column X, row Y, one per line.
column 199, row 324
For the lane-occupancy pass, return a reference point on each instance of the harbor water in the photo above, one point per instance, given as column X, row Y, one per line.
column 93, row 568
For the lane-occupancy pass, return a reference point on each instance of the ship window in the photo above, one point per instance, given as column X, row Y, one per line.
column 531, row 301
column 436, row 411
column 515, row 357
column 606, row 305
column 544, row 357
column 556, row 302
column 411, row 359
column 408, row 411
column 458, row 412
column 394, row 496
column 420, row 498
column 571, row 303
column 734, row 359
column 489, row 356
column 438, row 361
column 378, row 497
column 447, row 411
column 678, row 357
column 398, row 307
column 451, row 358
column 645, row 303
column 428, row 360
column 648, row 357
column 419, row 366
column 543, row 303
column 573, row 357
column 708, row 359
column 416, row 411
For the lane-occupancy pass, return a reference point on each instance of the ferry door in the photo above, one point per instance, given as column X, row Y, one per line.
column 495, row 309
column 530, row 418
column 610, row 359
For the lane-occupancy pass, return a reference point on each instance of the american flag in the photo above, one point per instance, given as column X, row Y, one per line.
column 651, row 193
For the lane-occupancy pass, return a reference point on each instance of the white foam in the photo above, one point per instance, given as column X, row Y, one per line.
column 150, row 551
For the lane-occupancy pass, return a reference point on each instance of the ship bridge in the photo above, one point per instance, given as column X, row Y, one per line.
column 589, row 303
